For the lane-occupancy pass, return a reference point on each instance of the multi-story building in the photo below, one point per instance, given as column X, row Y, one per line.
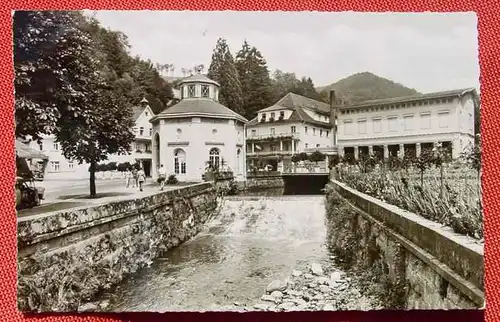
column 408, row 124
column 58, row 167
column 396, row 126
column 294, row 124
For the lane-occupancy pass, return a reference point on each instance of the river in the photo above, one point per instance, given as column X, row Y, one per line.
column 255, row 240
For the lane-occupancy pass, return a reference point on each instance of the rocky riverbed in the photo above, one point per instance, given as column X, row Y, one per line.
column 317, row 288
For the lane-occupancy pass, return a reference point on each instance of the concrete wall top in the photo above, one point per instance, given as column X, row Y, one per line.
column 463, row 254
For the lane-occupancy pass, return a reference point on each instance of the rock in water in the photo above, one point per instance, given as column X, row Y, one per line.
column 335, row 276
column 267, row 298
column 276, row 285
column 322, row 280
column 261, row 306
column 88, row 307
column 316, row 269
column 277, row 294
column 296, row 273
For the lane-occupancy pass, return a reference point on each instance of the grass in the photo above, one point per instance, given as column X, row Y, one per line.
column 457, row 204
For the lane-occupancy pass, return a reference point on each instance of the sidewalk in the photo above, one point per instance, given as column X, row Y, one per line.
column 104, row 195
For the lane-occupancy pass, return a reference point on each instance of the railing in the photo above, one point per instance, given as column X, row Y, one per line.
column 273, row 136
column 325, row 149
column 268, row 153
column 320, row 167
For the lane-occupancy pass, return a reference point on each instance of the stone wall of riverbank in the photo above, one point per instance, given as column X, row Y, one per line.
column 66, row 257
column 422, row 264
column 263, row 182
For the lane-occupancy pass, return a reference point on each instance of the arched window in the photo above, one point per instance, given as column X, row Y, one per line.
column 215, row 158
column 179, row 161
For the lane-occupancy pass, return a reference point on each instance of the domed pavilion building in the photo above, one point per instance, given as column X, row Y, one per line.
column 197, row 131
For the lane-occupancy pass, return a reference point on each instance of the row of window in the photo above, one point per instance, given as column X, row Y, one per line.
column 272, row 116
column 397, row 106
column 191, row 91
column 55, row 166
column 142, row 132
column 293, row 129
column 409, row 123
column 214, row 159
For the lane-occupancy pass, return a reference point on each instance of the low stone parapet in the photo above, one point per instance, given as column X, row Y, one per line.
column 66, row 257
column 424, row 264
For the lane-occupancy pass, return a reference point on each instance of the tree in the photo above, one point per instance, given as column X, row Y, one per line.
column 283, row 83
column 223, row 70
column 473, row 154
column 54, row 70
column 316, row 157
column 422, row 163
column 254, row 79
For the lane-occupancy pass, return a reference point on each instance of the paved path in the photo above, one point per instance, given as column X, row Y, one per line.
column 77, row 195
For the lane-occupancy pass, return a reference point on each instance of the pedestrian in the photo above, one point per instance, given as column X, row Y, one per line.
column 128, row 177
column 134, row 177
column 141, row 177
column 162, row 174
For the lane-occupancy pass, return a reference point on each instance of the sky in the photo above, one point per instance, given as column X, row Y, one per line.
column 426, row 51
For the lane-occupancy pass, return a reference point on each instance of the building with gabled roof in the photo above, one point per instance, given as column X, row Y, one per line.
column 198, row 131
column 407, row 125
column 292, row 125
column 58, row 167
column 393, row 126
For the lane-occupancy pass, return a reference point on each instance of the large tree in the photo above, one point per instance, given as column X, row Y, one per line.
column 65, row 86
column 53, row 70
column 254, row 79
column 223, row 70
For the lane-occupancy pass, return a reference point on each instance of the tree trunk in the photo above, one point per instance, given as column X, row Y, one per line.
column 441, row 188
column 422, row 178
column 92, row 179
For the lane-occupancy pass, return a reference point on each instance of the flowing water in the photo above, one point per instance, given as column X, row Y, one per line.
column 255, row 240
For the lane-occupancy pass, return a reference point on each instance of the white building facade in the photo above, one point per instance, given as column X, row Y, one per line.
column 293, row 125
column 197, row 131
column 58, row 167
column 409, row 124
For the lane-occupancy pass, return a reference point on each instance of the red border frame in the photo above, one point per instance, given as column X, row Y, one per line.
column 489, row 57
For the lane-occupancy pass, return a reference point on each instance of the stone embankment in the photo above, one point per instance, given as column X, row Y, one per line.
column 422, row 264
column 65, row 258
column 318, row 288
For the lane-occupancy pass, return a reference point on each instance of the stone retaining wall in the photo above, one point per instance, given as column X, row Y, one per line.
column 66, row 257
column 263, row 182
column 424, row 265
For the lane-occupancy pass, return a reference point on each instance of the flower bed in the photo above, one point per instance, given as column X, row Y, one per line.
column 458, row 205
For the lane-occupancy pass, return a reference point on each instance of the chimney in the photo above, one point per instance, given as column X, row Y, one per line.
column 333, row 116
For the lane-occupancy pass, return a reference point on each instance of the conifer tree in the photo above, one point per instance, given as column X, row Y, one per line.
column 254, row 79
column 223, row 70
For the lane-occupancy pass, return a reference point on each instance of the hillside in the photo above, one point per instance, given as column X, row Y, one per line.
column 365, row 86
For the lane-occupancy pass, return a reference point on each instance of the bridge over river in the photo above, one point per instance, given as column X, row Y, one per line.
column 255, row 241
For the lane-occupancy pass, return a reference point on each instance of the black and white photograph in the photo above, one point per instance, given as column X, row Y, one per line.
column 247, row 161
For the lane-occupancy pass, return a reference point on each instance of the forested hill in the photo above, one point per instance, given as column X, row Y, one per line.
column 365, row 86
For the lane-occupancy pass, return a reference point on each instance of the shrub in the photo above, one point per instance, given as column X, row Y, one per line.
column 316, row 156
column 457, row 206
column 172, row 179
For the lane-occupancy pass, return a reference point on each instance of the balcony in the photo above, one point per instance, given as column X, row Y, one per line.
column 269, row 153
column 324, row 150
column 273, row 137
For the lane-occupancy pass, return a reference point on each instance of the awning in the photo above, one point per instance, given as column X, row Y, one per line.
column 24, row 151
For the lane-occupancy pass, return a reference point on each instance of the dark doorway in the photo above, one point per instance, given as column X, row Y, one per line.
column 146, row 164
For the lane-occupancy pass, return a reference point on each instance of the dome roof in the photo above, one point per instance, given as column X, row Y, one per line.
column 200, row 107
column 198, row 78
